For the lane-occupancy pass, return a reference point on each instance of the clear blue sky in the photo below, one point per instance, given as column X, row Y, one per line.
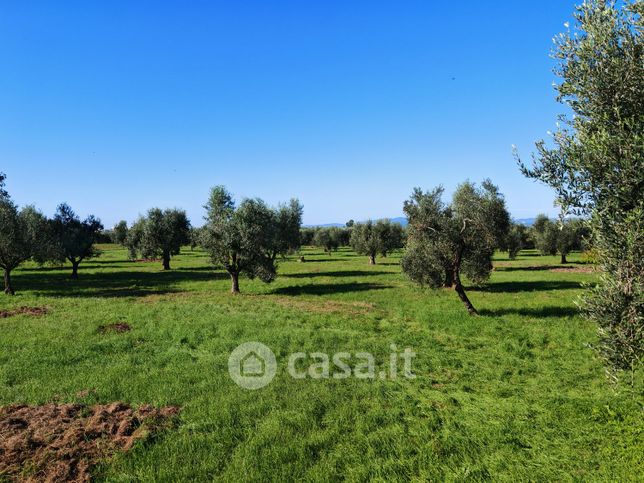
column 116, row 107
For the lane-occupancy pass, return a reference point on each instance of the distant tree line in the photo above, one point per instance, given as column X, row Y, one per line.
column 247, row 239
column 549, row 237
column 370, row 238
column 27, row 234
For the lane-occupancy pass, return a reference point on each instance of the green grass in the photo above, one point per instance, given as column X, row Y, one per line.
column 515, row 394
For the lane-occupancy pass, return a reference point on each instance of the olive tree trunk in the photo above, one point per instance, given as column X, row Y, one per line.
column 449, row 279
column 234, row 277
column 372, row 259
column 563, row 258
column 8, row 289
column 458, row 286
column 166, row 261
column 75, row 264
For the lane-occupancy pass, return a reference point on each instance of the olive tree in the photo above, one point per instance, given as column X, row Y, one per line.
column 3, row 191
column 563, row 236
column 196, row 234
column 570, row 236
column 24, row 234
column 327, row 238
column 516, row 240
column 392, row 235
column 75, row 238
column 545, row 235
column 306, row 236
column 161, row 234
column 371, row 238
column 447, row 241
column 241, row 239
column 595, row 162
column 119, row 233
column 288, row 219
column 134, row 240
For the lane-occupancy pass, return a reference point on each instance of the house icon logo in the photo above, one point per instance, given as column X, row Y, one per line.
column 252, row 365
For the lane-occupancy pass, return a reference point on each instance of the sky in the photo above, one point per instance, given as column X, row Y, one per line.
column 116, row 107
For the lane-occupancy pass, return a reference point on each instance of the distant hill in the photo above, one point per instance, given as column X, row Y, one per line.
column 324, row 225
column 526, row 221
column 400, row 220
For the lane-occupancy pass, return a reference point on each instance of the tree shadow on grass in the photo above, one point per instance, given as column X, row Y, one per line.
column 339, row 273
column 532, row 312
column 526, row 286
column 309, row 260
column 572, row 266
column 110, row 284
column 197, row 269
column 329, row 288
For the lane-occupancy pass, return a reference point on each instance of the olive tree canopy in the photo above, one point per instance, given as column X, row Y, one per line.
column 75, row 239
column 119, row 233
column 595, row 162
column 371, row 238
column 446, row 241
column 246, row 239
column 163, row 233
column 23, row 236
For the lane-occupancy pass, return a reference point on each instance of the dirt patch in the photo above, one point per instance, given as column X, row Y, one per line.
column 154, row 298
column 574, row 269
column 62, row 442
column 35, row 311
column 325, row 306
column 118, row 327
column 146, row 260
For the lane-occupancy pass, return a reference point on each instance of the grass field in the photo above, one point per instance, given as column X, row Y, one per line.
column 515, row 394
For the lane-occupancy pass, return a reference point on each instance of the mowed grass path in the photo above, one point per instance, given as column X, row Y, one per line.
column 515, row 394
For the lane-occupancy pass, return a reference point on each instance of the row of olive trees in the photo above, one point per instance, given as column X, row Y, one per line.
column 329, row 239
column 552, row 237
column 28, row 234
column 243, row 240
column 369, row 238
column 548, row 236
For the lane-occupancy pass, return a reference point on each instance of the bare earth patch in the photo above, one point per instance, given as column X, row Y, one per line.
column 574, row 269
column 35, row 311
column 119, row 327
column 62, row 442
column 154, row 298
column 325, row 306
